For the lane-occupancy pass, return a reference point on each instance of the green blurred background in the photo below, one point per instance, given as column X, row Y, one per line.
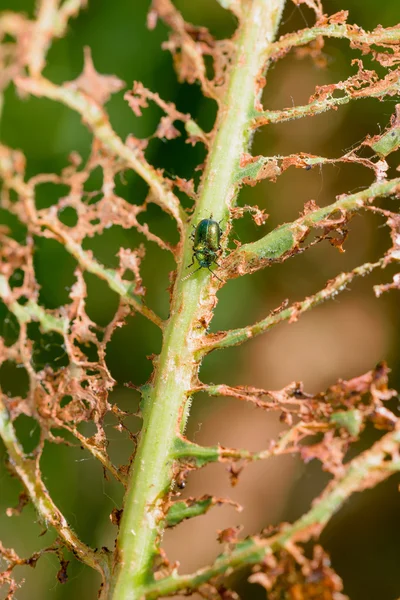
column 342, row 339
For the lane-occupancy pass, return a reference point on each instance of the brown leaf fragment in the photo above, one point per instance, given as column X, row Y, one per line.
column 296, row 577
column 295, row 160
column 338, row 18
column 216, row 592
column 379, row 387
column 284, row 304
column 98, row 87
column 393, row 254
column 246, row 159
column 136, row 101
column 262, row 579
column 62, row 575
column 23, row 500
column 383, row 419
column 394, row 224
column 349, row 393
column 360, row 84
column 229, row 535
column 115, row 516
column 260, row 83
column 234, row 471
column 139, row 145
column 227, row 594
column 338, row 240
column 269, row 170
column 314, row 5
column 9, row 554
column 186, row 186
column 309, row 207
column 394, row 285
column 388, row 54
column 330, row 452
column 286, row 418
column 258, row 215
column 138, row 98
column 152, row 18
column 187, row 44
column 13, row 560
column 166, row 130
column 130, row 260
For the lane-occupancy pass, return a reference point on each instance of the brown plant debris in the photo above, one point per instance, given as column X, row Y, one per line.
column 99, row 87
column 300, row 578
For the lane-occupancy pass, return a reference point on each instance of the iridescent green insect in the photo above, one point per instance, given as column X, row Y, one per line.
column 206, row 245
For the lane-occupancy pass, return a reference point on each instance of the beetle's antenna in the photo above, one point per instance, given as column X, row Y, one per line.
column 212, row 273
column 190, row 274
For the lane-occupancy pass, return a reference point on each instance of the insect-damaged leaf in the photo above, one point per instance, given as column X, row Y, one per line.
column 193, row 507
column 99, row 87
column 351, row 420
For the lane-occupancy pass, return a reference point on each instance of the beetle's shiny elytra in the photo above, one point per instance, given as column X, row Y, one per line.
column 206, row 242
column 206, row 245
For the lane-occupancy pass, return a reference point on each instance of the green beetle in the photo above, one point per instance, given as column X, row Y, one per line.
column 206, row 245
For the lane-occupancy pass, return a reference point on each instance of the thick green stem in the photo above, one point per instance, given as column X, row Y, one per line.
column 165, row 398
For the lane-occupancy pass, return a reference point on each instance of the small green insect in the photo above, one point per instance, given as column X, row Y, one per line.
column 206, row 245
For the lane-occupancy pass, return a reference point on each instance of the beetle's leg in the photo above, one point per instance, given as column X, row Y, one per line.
column 212, row 273
column 193, row 228
column 192, row 263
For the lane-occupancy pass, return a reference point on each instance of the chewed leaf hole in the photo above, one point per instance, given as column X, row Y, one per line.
column 14, row 380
